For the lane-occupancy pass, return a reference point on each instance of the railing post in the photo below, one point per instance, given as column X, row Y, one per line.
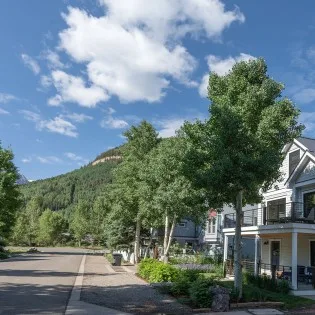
column 292, row 211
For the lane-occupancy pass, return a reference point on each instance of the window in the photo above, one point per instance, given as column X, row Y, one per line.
column 182, row 224
column 294, row 159
column 211, row 225
column 309, row 205
column 276, row 209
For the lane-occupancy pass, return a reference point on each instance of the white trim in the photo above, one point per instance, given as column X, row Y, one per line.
column 273, row 199
column 301, row 145
column 280, row 191
column 304, row 183
column 300, row 167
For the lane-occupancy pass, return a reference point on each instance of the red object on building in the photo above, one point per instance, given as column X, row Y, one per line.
column 212, row 213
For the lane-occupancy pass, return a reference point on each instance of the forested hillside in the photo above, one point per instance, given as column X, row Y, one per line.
column 64, row 191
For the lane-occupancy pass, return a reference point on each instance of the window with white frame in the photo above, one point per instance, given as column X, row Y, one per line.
column 212, row 225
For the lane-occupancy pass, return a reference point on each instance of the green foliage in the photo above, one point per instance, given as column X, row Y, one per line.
column 146, row 266
column 65, row 191
column 9, row 194
column 157, row 271
column 237, row 152
column 80, row 221
column 239, row 148
column 27, row 224
column 109, row 257
column 118, row 228
column 199, row 292
column 267, row 283
column 163, row 273
column 4, row 255
column 183, row 282
column 51, row 227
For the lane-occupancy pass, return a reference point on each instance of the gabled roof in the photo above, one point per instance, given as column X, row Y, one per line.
column 309, row 155
column 309, row 143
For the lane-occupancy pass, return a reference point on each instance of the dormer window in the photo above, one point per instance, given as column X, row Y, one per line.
column 294, row 159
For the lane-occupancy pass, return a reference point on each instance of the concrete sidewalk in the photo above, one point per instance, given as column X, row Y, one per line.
column 76, row 306
column 101, row 288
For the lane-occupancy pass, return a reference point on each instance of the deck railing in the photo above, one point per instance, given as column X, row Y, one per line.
column 273, row 214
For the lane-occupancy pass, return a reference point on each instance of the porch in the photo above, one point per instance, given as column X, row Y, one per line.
column 277, row 211
column 289, row 255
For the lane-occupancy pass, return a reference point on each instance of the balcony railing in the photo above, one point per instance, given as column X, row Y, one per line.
column 274, row 214
column 250, row 218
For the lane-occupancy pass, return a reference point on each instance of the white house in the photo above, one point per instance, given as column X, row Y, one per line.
column 282, row 227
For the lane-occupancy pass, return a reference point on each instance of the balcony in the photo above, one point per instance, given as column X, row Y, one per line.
column 293, row 212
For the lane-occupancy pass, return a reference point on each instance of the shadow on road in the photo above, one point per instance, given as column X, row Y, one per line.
column 41, row 273
column 33, row 299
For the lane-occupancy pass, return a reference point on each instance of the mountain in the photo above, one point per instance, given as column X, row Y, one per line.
column 64, row 191
column 112, row 154
column 22, row 180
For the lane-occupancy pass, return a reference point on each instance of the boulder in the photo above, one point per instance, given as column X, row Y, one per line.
column 220, row 299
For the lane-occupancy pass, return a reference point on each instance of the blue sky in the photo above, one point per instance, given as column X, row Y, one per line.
column 75, row 74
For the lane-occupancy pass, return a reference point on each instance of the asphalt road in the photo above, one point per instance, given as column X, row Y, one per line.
column 38, row 283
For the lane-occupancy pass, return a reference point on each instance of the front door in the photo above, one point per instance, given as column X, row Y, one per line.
column 312, row 253
column 275, row 253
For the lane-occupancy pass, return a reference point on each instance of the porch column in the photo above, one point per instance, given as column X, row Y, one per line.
column 225, row 247
column 257, row 248
column 294, row 261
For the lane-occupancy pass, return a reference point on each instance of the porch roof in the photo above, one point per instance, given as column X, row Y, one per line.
column 274, row 229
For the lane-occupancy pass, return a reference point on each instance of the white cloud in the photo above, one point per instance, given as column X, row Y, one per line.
column 114, row 123
column 55, row 125
column 221, row 67
column 5, row 98
column 31, row 63
column 53, row 59
column 59, row 125
column 74, row 89
column 170, row 126
column 76, row 158
column 45, row 81
column 4, row 112
column 29, row 115
column 110, row 110
column 134, row 50
column 79, row 118
column 48, row 159
column 27, row 160
column 55, row 101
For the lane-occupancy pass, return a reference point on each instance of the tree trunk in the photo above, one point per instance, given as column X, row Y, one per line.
column 137, row 241
column 170, row 238
column 166, row 231
column 238, row 246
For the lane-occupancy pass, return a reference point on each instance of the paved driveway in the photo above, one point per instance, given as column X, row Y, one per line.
column 38, row 283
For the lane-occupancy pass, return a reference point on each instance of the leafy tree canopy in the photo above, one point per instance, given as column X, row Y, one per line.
column 9, row 193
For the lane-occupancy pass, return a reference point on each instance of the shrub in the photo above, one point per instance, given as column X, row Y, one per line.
column 199, row 292
column 4, row 255
column 267, row 283
column 183, row 282
column 163, row 273
column 146, row 266
column 157, row 271
column 109, row 257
